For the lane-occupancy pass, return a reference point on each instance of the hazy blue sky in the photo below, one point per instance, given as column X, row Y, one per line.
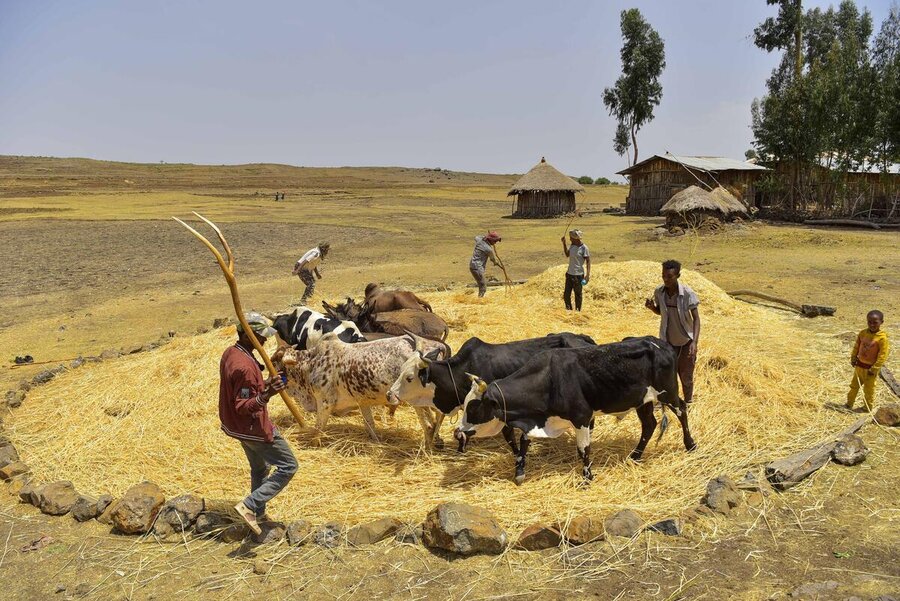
column 475, row 86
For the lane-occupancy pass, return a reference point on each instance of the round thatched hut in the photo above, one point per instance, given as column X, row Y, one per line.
column 544, row 192
column 693, row 206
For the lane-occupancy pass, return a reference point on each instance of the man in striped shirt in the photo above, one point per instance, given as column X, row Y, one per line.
column 243, row 410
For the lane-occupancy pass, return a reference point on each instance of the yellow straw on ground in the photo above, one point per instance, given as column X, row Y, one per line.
column 761, row 381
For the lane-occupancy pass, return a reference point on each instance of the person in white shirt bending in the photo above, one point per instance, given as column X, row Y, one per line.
column 307, row 269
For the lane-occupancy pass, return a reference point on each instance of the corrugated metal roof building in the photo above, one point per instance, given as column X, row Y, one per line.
column 655, row 180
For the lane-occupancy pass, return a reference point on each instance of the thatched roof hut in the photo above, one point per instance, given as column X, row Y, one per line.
column 693, row 205
column 544, row 192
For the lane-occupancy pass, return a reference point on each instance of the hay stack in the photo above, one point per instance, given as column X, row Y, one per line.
column 154, row 416
column 694, row 205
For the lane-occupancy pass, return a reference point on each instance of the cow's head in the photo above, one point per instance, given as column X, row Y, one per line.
column 285, row 356
column 480, row 415
column 413, row 385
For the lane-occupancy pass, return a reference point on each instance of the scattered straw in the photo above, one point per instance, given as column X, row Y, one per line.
column 762, row 379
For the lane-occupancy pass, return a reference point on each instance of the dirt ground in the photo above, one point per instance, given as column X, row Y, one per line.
column 95, row 262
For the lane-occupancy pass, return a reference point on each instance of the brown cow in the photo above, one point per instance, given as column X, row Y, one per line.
column 381, row 301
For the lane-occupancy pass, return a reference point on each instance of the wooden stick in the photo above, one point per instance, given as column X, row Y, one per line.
column 228, row 271
column 890, row 380
column 846, row 222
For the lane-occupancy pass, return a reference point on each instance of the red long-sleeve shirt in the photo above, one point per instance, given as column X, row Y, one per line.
column 242, row 411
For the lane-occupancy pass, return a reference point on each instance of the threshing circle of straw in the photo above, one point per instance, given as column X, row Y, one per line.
column 228, row 271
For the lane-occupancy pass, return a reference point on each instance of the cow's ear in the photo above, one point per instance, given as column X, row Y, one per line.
column 423, row 375
column 433, row 355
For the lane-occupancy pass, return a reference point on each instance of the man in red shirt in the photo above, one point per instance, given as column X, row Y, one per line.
column 243, row 410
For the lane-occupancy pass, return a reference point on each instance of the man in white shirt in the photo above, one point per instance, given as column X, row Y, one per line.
column 307, row 269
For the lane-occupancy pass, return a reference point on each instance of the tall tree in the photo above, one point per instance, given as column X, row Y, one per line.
column 886, row 67
column 637, row 90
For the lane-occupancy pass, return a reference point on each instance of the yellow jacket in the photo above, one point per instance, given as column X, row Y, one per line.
column 871, row 349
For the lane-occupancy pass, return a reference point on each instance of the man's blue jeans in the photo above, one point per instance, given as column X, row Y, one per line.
column 263, row 456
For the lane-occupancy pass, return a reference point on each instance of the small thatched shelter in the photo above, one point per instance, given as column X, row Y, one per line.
column 694, row 205
column 544, row 192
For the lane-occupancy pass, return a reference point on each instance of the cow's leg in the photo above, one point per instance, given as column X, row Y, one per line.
column 436, row 433
column 369, row 420
column 510, row 437
column 583, row 444
column 689, row 443
column 427, row 427
column 648, row 425
column 520, row 460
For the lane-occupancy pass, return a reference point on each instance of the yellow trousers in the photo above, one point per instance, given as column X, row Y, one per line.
column 862, row 376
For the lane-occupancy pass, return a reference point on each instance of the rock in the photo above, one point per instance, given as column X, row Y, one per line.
column 43, row 377
column 752, row 482
column 24, row 385
column 14, row 398
column 885, row 598
column 695, row 513
column 220, row 322
column 203, row 329
column 136, row 510
column 178, row 515
column 58, row 498
column 85, row 508
column 888, row 415
column 583, row 529
column 410, row 535
column 60, row 588
column 669, row 527
column 260, row 567
column 104, row 502
column 722, row 496
column 328, row 535
column 17, row 484
column 624, row 523
column 83, row 589
column 298, row 533
column 813, row 590
column 8, row 454
column 755, row 499
column 850, row 450
column 27, row 494
column 210, row 522
column 537, row 537
column 235, row 533
column 146, row 348
column 272, row 532
column 76, row 363
column 372, row 532
column 105, row 516
column 109, row 353
column 463, row 529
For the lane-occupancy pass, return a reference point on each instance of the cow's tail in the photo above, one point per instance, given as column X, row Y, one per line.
column 663, row 421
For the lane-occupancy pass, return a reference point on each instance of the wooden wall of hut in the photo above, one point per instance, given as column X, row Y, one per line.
column 535, row 205
column 659, row 180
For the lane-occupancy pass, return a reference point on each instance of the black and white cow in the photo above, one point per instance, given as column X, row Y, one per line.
column 562, row 389
column 443, row 385
column 303, row 328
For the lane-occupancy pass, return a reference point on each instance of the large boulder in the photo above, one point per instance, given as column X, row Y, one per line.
column 87, row 507
column 888, row 415
column 583, row 529
column 722, row 495
column 625, row 523
column 372, row 532
column 29, row 494
column 178, row 515
column 850, row 450
column 58, row 498
column 135, row 511
column 272, row 532
column 463, row 529
column 537, row 537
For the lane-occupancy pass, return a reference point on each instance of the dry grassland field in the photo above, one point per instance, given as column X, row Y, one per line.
column 93, row 261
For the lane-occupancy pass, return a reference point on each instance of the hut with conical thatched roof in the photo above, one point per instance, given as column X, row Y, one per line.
column 544, row 192
column 693, row 206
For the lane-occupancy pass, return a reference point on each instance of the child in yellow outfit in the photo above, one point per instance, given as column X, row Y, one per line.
column 869, row 354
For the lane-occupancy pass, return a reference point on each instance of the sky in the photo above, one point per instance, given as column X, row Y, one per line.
column 487, row 86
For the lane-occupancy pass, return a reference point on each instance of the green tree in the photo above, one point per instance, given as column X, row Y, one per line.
column 585, row 180
column 602, row 181
column 637, row 90
column 886, row 73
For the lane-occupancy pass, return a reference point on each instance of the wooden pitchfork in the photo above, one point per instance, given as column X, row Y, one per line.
column 228, row 270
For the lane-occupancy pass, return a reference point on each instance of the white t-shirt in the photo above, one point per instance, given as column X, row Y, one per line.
column 312, row 258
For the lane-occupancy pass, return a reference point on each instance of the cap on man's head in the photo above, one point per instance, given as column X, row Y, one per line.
column 575, row 234
column 259, row 323
column 492, row 236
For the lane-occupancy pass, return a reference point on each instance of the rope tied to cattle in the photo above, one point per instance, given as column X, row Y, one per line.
column 502, row 396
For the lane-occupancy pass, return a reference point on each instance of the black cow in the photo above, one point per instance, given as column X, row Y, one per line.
column 443, row 385
column 303, row 328
column 564, row 389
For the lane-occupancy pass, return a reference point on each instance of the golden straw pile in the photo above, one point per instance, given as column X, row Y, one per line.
column 761, row 381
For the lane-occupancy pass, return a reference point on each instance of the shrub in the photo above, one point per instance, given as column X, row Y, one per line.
column 585, row 180
column 602, row 181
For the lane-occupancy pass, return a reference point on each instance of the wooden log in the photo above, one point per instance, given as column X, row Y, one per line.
column 805, row 310
column 889, row 379
column 790, row 471
column 844, row 222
